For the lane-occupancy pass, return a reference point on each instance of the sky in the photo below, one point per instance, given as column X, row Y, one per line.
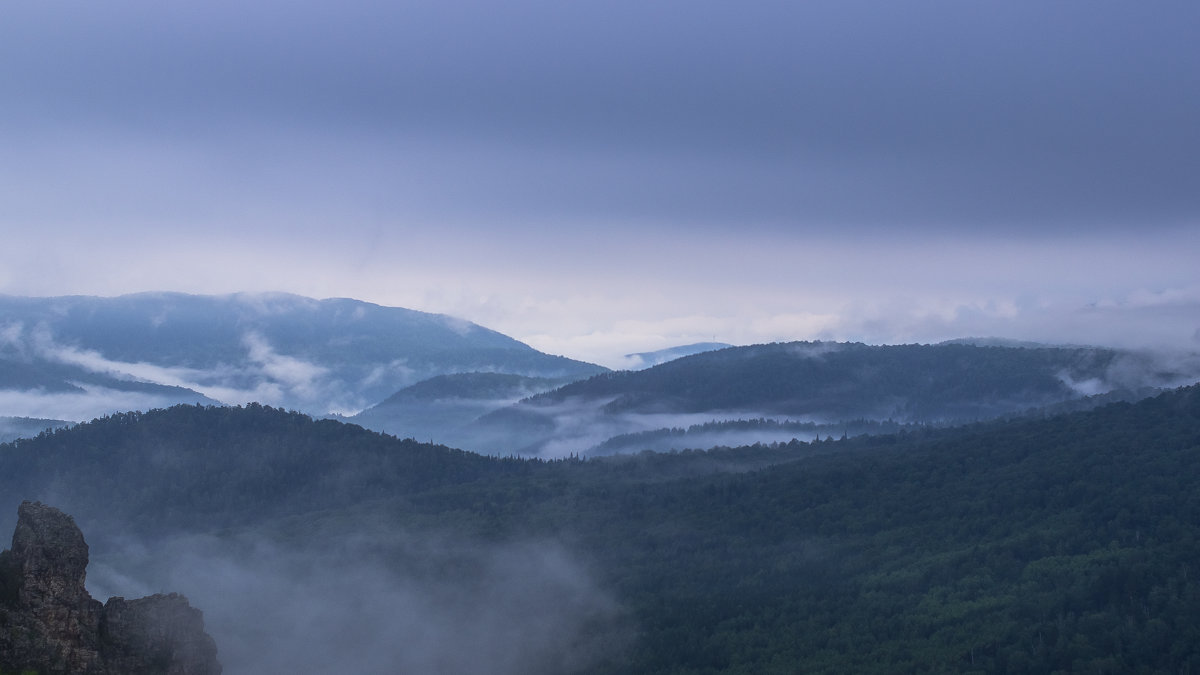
column 601, row 178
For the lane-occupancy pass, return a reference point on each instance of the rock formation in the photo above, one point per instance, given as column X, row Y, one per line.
column 49, row 623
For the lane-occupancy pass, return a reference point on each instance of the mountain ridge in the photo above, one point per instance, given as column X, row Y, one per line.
column 331, row 355
column 825, row 383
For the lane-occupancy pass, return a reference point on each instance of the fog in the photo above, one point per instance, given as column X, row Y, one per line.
column 89, row 403
column 578, row 424
column 379, row 601
column 736, row 433
column 1159, row 368
column 12, row 428
column 259, row 373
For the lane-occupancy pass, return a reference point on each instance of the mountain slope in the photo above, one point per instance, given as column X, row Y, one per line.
column 825, row 383
column 1052, row 545
column 314, row 355
column 442, row 407
column 218, row 466
column 642, row 360
column 1037, row 545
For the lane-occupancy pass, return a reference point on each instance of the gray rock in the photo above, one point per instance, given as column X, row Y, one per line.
column 50, row 624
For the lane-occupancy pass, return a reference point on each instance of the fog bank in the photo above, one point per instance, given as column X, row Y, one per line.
column 380, row 602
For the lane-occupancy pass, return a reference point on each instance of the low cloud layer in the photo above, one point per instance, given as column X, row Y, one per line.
column 90, row 403
column 260, row 374
column 380, row 601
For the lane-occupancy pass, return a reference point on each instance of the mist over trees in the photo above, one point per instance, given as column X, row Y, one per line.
column 78, row 357
column 825, row 383
column 1057, row 543
column 441, row 379
column 807, row 506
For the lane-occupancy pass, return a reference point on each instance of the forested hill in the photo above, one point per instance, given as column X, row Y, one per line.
column 77, row 354
column 824, row 383
column 1065, row 544
column 442, row 407
column 202, row 468
column 849, row 380
column 193, row 467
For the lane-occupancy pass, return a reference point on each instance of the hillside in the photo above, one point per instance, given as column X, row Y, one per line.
column 1034, row 545
column 89, row 355
column 825, row 383
column 1061, row 544
column 194, row 467
column 442, row 407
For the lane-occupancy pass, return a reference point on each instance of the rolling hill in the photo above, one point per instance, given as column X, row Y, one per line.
column 1064, row 543
column 820, row 382
column 77, row 357
column 442, row 407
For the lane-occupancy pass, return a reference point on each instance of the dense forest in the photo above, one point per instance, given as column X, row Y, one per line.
column 1060, row 544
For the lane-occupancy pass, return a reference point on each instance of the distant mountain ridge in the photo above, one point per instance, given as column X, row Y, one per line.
column 12, row 428
column 821, row 382
column 441, row 407
column 647, row 359
column 160, row 349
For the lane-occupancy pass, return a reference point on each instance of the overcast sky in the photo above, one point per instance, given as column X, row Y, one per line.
column 598, row 178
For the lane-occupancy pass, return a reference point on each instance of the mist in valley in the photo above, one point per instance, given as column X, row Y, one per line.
column 374, row 599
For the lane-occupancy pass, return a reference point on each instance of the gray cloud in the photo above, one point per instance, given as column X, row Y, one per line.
column 932, row 114
column 590, row 158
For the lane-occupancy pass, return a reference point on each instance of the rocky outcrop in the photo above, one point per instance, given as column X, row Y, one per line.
column 50, row 624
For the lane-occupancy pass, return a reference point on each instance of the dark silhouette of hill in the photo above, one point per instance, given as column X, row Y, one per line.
column 192, row 467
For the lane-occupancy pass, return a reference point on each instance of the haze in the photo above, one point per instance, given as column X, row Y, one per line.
column 597, row 179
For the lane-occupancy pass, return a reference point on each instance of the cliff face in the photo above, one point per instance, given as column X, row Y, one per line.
column 50, row 624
